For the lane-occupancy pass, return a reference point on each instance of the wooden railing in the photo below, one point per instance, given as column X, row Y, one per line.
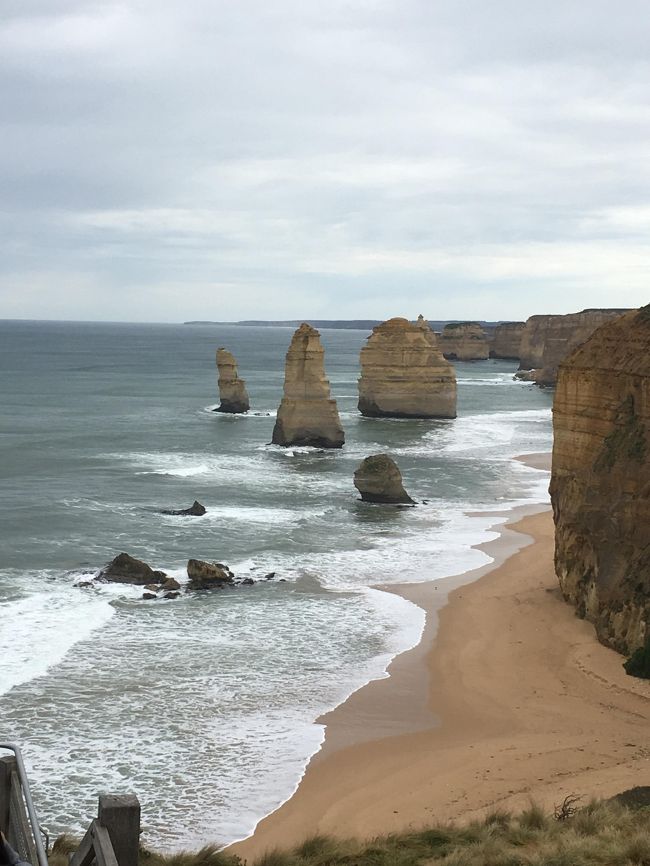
column 113, row 838
column 18, row 819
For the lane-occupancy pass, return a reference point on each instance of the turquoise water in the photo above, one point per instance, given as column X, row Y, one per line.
column 205, row 706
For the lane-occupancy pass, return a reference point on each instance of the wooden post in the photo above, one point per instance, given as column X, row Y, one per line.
column 7, row 767
column 120, row 814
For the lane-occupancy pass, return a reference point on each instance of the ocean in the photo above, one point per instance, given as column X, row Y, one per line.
column 205, row 706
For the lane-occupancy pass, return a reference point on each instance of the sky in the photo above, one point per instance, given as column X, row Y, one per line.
column 167, row 160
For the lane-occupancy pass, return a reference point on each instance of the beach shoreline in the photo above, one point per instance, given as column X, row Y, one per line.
column 479, row 714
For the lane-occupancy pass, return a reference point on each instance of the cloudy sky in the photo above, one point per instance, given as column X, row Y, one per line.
column 163, row 160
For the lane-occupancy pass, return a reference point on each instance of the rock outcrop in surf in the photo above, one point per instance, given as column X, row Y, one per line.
column 403, row 373
column 600, row 484
column 125, row 568
column 307, row 415
column 232, row 390
column 378, row 479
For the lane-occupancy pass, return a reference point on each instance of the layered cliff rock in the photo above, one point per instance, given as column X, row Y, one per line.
column 464, row 341
column 403, row 373
column 378, row 479
column 307, row 413
column 600, row 486
column 506, row 342
column 547, row 340
column 232, row 389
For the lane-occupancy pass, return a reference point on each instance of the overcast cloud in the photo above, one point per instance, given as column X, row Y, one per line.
column 164, row 160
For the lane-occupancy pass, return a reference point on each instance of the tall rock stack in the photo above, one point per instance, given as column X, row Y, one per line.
column 307, row 413
column 600, row 484
column 403, row 373
column 232, row 389
column 506, row 342
column 464, row 341
column 547, row 340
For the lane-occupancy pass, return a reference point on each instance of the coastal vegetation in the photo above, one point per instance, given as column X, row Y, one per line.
column 602, row 833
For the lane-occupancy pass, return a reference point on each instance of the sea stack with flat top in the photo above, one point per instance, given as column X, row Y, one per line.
column 232, row 389
column 403, row 373
column 307, row 415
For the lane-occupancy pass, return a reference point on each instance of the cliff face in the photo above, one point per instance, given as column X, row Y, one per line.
column 404, row 375
column 307, row 414
column 547, row 340
column 232, row 389
column 464, row 341
column 600, row 486
column 506, row 342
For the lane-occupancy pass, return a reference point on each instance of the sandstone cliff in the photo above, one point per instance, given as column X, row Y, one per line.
column 404, row 375
column 547, row 340
column 506, row 342
column 600, row 486
column 307, row 414
column 464, row 341
column 378, row 479
column 232, row 389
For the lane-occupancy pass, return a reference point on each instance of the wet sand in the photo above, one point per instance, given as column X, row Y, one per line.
column 508, row 698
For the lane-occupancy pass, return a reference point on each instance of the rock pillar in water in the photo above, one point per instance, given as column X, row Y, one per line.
column 307, row 413
column 232, row 389
column 378, row 479
column 464, row 341
column 403, row 373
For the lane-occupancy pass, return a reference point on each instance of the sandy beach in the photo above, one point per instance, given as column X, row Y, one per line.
column 508, row 698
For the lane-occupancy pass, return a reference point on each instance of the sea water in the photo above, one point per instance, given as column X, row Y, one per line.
column 205, row 706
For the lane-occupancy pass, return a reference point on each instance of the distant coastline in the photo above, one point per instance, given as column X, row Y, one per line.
column 336, row 324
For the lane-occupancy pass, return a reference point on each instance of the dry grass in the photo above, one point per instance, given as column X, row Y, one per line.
column 600, row 834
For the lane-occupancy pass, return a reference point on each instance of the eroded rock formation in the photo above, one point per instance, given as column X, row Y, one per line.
column 547, row 340
column 127, row 569
column 506, row 342
column 208, row 575
column 195, row 510
column 464, row 341
column 378, row 479
column 600, row 485
column 232, row 389
column 307, row 413
column 404, row 375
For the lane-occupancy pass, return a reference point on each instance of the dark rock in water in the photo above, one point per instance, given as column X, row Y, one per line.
column 248, row 581
column 126, row 569
column 195, row 510
column 149, row 595
column 378, row 479
column 269, row 576
column 171, row 595
column 152, row 587
column 170, row 584
column 207, row 575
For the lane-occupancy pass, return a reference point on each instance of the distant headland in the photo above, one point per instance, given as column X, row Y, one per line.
column 337, row 324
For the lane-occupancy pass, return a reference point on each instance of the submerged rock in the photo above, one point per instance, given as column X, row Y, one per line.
column 195, row 510
column 208, row 575
column 307, row 413
column 232, row 389
column 404, row 375
column 126, row 569
column 378, row 479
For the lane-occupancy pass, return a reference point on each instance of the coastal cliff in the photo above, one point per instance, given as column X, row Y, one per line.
column 404, row 375
column 547, row 340
column 464, row 341
column 506, row 342
column 600, row 485
column 232, row 389
column 307, row 413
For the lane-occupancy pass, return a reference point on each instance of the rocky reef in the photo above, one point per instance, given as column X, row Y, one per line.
column 232, row 389
column 464, row 341
column 600, row 485
column 378, row 479
column 404, row 375
column 307, row 413
column 125, row 568
column 547, row 340
column 506, row 342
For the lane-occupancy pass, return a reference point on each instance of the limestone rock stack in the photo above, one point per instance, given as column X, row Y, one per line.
column 464, row 341
column 600, row 485
column 307, row 413
column 378, row 479
column 506, row 342
column 547, row 340
column 232, row 389
column 404, row 375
